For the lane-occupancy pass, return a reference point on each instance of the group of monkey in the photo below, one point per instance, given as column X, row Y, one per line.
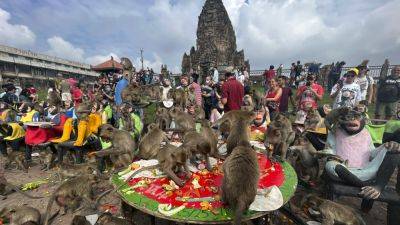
column 240, row 166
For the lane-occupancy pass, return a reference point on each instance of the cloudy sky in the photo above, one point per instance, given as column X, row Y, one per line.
column 270, row 31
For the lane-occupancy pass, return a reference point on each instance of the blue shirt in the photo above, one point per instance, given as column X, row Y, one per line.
column 121, row 85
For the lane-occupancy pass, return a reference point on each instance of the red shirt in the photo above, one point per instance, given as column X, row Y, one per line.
column 233, row 91
column 308, row 97
column 273, row 106
column 77, row 96
column 269, row 74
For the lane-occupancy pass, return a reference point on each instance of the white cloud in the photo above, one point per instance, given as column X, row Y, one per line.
column 154, row 64
column 14, row 34
column 97, row 59
column 64, row 49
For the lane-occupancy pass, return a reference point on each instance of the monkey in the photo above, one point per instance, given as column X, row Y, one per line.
column 183, row 121
column 211, row 137
column 3, row 189
column 195, row 143
column 248, row 104
column 149, row 146
column 170, row 158
column 108, row 219
column 313, row 120
column 258, row 99
column 46, row 159
column 131, row 94
column 71, row 193
column 302, row 156
column 80, row 220
column 18, row 158
column 224, row 123
column 163, row 118
column 30, row 223
column 332, row 212
column 66, row 171
column 21, row 215
column 123, row 146
column 239, row 131
column 199, row 113
column 180, row 97
column 240, row 181
column 280, row 135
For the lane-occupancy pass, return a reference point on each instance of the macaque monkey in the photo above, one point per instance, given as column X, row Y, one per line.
column 239, row 131
column 170, row 159
column 331, row 212
column 313, row 120
column 18, row 158
column 248, row 104
column 3, row 189
column 258, row 99
column 303, row 157
column 66, row 171
column 108, row 219
column 180, row 97
column 280, row 135
column 240, row 182
column 149, row 146
column 47, row 159
column 80, row 220
column 19, row 215
column 123, row 146
column 183, row 121
column 71, row 193
column 225, row 123
column 163, row 118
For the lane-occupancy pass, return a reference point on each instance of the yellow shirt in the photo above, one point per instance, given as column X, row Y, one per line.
column 17, row 132
column 3, row 115
column 28, row 117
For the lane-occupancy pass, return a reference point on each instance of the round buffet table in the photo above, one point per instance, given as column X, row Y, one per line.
column 198, row 201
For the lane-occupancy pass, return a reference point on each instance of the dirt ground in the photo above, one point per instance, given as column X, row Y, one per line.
column 376, row 216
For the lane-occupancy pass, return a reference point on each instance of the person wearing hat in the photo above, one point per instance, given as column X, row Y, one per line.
column 10, row 97
column 346, row 92
column 366, row 84
column 309, row 94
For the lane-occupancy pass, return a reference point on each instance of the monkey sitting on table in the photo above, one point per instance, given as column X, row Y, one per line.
column 351, row 142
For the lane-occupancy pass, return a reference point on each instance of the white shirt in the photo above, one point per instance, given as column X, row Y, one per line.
column 241, row 78
column 216, row 76
column 349, row 95
column 364, row 83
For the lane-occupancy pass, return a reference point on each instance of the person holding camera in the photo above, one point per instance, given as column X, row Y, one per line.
column 347, row 93
column 309, row 94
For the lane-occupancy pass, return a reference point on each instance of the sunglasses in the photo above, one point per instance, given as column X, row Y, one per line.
column 350, row 75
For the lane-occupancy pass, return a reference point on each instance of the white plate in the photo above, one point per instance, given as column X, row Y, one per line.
column 267, row 200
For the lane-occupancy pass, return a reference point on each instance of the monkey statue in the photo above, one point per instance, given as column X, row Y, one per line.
column 350, row 141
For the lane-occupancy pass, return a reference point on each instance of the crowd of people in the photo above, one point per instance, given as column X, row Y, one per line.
column 59, row 123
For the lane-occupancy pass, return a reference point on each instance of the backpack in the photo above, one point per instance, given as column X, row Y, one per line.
column 389, row 90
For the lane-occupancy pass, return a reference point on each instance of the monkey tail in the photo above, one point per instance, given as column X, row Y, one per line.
column 101, row 196
column 240, row 208
column 48, row 209
column 15, row 188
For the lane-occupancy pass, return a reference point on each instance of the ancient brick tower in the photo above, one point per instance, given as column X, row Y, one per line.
column 216, row 42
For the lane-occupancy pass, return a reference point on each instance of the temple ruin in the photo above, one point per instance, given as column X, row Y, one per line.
column 215, row 44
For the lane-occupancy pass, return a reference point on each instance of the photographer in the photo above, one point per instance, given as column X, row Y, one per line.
column 309, row 94
column 346, row 92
